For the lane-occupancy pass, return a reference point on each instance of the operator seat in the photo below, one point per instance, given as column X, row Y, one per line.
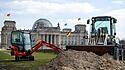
column 19, row 46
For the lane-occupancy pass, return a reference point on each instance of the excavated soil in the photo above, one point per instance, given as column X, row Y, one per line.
column 82, row 60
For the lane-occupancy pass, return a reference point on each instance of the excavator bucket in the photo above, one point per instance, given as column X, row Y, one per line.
column 97, row 49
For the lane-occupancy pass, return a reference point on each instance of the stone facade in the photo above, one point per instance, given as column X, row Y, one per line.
column 43, row 29
column 77, row 37
column 6, row 33
column 57, row 37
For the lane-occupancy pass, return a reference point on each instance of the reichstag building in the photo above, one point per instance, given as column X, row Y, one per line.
column 43, row 29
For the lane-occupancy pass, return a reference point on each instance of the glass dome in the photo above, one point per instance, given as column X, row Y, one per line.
column 41, row 23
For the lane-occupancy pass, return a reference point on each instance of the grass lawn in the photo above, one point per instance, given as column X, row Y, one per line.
column 8, row 62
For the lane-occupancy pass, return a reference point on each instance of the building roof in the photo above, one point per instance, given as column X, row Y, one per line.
column 41, row 23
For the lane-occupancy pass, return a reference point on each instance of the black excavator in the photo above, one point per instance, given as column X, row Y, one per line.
column 102, row 38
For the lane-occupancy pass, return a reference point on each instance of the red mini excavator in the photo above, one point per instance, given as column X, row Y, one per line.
column 21, row 46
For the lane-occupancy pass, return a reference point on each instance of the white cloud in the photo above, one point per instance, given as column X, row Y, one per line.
column 118, row 1
column 38, row 7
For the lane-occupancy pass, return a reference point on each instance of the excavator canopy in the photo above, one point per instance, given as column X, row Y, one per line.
column 21, row 40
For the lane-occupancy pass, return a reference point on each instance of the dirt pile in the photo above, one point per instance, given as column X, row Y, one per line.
column 82, row 60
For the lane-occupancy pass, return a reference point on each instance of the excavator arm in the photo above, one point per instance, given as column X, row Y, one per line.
column 42, row 43
column 35, row 48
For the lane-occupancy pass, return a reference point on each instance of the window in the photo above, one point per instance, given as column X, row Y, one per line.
column 27, row 42
column 105, row 24
column 17, row 38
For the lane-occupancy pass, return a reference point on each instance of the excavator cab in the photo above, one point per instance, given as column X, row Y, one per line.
column 21, row 45
column 21, row 40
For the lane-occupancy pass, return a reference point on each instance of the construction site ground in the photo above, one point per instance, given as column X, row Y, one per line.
column 7, row 62
column 66, row 60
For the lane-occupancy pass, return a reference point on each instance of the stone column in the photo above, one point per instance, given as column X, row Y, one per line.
column 55, row 39
column 74, row 40
column 77, row 40
column 66, row 40
column 75, row 37
column 78, row 43
column 43, row 37
column 51, row 39
column 71, row 40
column 59, row 39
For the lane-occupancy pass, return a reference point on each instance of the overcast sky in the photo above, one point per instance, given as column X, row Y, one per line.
column 26, row 12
